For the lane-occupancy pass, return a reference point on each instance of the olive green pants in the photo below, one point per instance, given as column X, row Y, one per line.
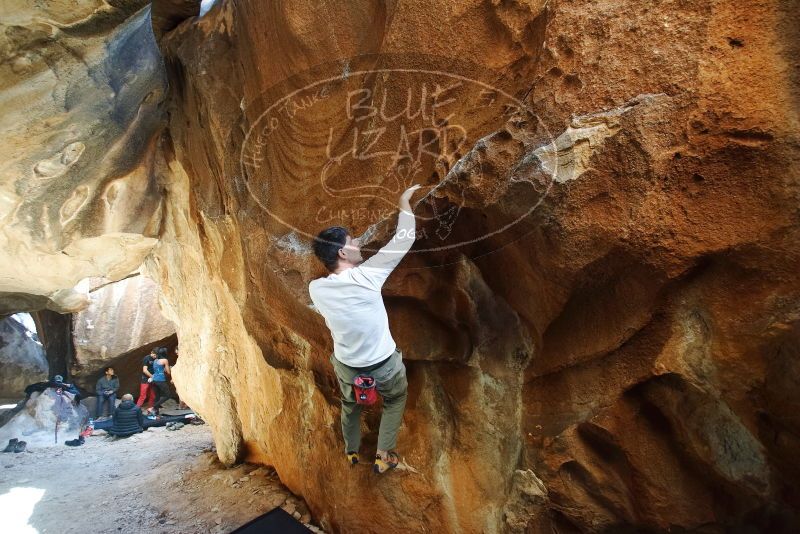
column 392, row 385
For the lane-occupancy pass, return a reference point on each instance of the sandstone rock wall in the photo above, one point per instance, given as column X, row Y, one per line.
column 600, row 318
column 609, row 362
column 81, row 90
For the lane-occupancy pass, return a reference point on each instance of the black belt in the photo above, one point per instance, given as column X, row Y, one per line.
column 374, row 365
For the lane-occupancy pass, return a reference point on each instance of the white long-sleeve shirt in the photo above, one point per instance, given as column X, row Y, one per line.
column 352, row 305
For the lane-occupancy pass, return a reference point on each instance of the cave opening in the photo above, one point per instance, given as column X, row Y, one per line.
column 121, row 326
column 22, row 356
column 118, row 327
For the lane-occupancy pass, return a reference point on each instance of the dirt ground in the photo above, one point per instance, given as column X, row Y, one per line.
column 159, row 481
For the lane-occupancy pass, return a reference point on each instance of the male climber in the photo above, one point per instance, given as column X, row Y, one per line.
column 349, row 299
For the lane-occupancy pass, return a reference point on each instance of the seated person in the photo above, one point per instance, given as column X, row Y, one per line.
column 128, row 418
column 106, row 389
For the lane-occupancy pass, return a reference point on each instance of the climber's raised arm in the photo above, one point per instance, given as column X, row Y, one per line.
column 374, row 271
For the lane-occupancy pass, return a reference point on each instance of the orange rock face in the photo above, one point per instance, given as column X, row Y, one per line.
column 600, row 314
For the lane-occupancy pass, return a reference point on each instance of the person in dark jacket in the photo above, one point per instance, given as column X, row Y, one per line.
column 106, row 389
column 128, row 418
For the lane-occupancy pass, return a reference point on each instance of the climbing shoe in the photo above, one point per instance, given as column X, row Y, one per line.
column 352, row 458
column 11, row 444
column 383, row 464
column 20, row 446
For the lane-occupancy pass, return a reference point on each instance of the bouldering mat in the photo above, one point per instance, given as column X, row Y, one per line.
column 177, row 412
column 275, row 521
column 108, row 423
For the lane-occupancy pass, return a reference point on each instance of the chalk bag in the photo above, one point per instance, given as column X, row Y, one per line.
column 365, row 390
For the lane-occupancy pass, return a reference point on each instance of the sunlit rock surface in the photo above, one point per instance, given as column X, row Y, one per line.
column 82, row 84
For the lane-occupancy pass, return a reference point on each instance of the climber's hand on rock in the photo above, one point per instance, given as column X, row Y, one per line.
column 405, row 198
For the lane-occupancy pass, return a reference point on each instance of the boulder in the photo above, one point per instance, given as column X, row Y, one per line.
column 599, row 316
column 22, row 358
column 121, row 325
column 47, row 420
column 603, row 286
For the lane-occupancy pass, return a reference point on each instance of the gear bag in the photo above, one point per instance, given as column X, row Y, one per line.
column 365, row 390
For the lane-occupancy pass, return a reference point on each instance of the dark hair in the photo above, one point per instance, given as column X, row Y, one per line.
column 327, row 245
column 161, row 352
column 107, row 368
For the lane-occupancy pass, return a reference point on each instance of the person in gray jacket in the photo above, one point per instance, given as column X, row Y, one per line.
column 106, row 390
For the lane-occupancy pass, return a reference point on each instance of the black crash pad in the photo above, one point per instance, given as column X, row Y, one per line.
column 275, row 521
column 108, row 423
